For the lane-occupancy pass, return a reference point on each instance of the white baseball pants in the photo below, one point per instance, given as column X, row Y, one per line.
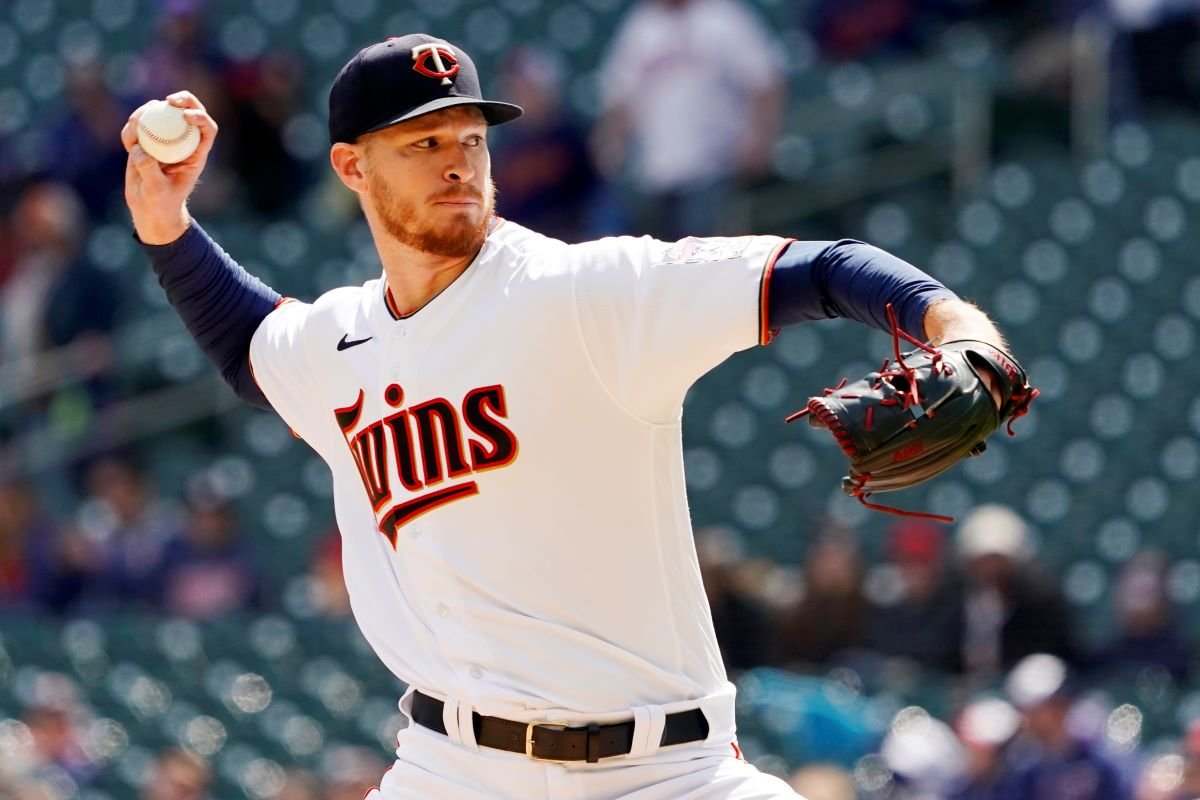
column 429, row 765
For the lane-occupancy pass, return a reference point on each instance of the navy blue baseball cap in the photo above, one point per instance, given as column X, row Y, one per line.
column 402, row 78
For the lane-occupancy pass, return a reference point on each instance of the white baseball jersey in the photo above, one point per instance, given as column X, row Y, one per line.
column 507, row 464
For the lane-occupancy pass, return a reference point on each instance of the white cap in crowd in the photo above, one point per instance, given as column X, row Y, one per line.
column 1036, row 679
column 993, row 529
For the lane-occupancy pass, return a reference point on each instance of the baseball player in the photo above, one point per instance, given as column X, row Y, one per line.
column 501, row 414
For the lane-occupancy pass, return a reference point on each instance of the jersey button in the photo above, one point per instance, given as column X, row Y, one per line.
column 443, row 610
column 398, row 333
column 476, row 671
column 414, row 531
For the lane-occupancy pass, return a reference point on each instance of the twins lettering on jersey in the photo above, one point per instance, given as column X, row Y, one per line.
column 403, row 455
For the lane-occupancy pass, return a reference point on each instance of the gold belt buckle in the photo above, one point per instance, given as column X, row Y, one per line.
column 560, row 724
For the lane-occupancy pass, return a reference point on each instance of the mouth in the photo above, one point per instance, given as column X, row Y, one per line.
column 461, row 201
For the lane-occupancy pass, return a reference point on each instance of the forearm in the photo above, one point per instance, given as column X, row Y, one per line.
column 220, row 303
column 950, row 320
column 822, row 280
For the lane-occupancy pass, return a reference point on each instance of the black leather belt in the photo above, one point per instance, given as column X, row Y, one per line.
column 552, row 741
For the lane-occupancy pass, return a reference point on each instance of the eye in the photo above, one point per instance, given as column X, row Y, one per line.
column 475, row 140
column 427, row 143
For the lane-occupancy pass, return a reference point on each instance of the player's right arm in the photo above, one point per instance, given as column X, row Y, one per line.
column 221, row 304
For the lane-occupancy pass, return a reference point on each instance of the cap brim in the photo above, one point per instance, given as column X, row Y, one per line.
column 496, row 113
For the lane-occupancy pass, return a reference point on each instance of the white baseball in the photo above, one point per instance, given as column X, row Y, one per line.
column 165, row 134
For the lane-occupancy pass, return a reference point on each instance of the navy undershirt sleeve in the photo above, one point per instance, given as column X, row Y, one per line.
column 823, row 280
column 221, row 304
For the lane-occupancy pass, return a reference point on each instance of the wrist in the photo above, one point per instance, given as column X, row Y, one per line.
column 160, row 233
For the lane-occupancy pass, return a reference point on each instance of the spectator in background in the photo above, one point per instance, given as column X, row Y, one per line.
column 350, row 772
column 44, row 749
column 209, row 572
column 1187, row 785
column 692, row 94
column 54, row 296
column 823, row 782
column 857, row 29
column 1170, row 775
column 27, row 537
column 1059, row 765
column 543, row 173
column 1146, row 634
column 300, row 785
column 178, row 774
column 923, row 620
column 830, row 617
column 116, row 557
column 264, row 96
column 743, row 627
column 925, row 757
column 1012, row 609
column 986, row 727
column 54, row 299
column 78, row 147
column 57, row 742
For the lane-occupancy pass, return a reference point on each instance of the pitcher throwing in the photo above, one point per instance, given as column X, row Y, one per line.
column 501, row 414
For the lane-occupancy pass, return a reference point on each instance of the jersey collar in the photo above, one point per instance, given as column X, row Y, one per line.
column 389, row 302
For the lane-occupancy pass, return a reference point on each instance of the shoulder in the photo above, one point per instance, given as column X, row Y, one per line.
column 342, row 310
column 615, row 251
column 515, row 239
column 344, row 300
column 516, row 252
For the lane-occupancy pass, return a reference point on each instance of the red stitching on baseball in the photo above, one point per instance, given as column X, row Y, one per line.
column 143, row 129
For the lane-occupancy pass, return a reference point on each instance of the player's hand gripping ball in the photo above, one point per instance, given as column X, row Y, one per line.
column 165, row 133
column 920, row 414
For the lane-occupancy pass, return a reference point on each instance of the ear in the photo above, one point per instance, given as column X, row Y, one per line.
column 347, row 161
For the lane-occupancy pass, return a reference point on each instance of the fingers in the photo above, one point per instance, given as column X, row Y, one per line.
column 208, row 134
column 146, row 168
column 129, row 131
column 185, row 100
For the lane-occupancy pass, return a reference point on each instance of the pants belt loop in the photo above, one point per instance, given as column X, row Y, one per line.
column 450, row 717
column 648, row 724
column 466, row 726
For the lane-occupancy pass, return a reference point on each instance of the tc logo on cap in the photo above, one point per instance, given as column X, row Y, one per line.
column 445, row 63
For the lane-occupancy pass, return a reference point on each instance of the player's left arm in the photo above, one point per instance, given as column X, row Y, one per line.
column 823, row 280
column 846, row 278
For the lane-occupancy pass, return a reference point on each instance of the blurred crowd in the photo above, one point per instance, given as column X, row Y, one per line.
column 682, row 121
column 1025, row 717
column 971, row 605
column 125, row 549
column 1031, row 701
column 58, row 749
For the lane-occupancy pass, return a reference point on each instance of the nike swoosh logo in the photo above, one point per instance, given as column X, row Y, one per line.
column 346, row 345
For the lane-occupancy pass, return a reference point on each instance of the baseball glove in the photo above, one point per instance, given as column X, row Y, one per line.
column 919, row 415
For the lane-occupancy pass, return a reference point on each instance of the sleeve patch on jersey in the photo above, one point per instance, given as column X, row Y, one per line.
column 695, row 250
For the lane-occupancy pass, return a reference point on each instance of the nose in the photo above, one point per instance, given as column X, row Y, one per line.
column 458, row 168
